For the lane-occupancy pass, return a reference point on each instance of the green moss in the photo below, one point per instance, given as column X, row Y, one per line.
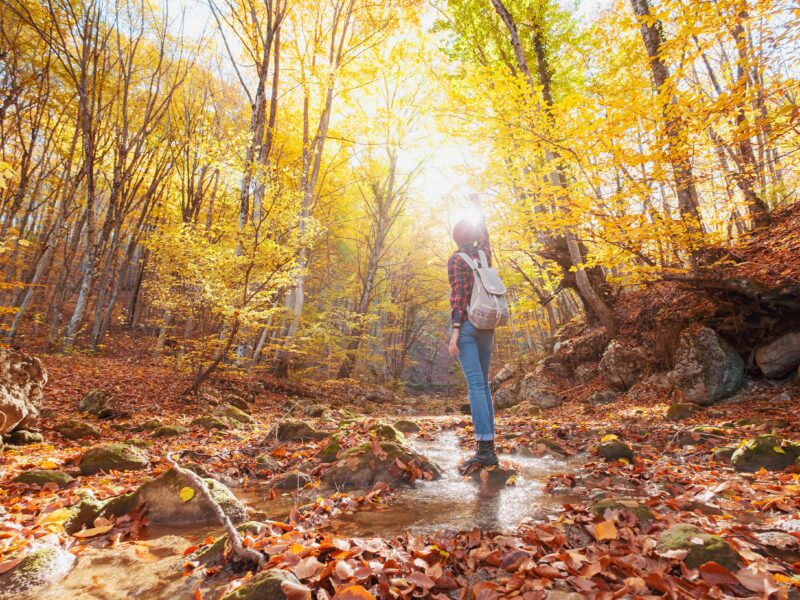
column 680, row 411
column 331, row 449
column 214, row 553
column 701, row 547
column 83, row 512
column 77, row 430
column 42, row 476
column 263, row 586
column 23, row 437
column 119, row 457
column 169, row 431
column 642, row 512
column 615, row 450
column 37, row 568
column 208, row 422
column 152, row 424
column 231, row 412
column 765, row 452
column 384, row 431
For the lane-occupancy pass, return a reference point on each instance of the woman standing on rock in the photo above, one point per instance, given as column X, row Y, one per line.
column 472, row 346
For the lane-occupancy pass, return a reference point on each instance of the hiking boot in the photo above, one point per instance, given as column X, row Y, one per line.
column 485, row 456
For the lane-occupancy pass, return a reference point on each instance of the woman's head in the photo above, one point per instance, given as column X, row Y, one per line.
column 465, row 232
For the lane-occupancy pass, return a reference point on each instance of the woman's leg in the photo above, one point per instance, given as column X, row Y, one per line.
column 469, row 357
column 485, row 340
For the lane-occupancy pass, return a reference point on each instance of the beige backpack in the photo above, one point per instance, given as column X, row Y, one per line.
column 488, row 307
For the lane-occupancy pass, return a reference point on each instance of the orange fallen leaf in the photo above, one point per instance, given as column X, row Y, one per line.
column 353, row 592
column 605, row 530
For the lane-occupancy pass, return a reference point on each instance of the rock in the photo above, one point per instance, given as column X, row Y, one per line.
column 585, row 372
column 152, row 424
column 23, row 437
column 496, row 476
column 622, row 366
column 43, row 564
column 724, row 454
column 651, row 388
column 359, row 467
column 77, row 430
column 265, row 462
column 294, row 429
column 162, row 497
column 681, row 411
column 22, row 380
column 264, row 586
column 214, row 553
column 535, row 392
column 464, row 409
column 406, row 426
column 765, row 451
column 378, row 395
column 702, row 547
column 780, row 357
column 551, row 445
column 42, row 476
column 231, row 412
column 503, row 375
column 534, row 411
column 100, row 403
column 701, row 434
column 237, row 401
column 707, row 368
column 208, row 423
column 615, row 450
column 293, row 480
column 507, row 395
column 119, row 457
column 385, row 432
column 83, row 511
column 642, row 512
column 169, row 431
column 316, row 410
column 331, row 449
column 602, row 397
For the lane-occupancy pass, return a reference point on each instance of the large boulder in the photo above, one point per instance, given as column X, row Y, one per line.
column 780, row 357
column 43, row 564
column 700, row 547
column 623, row 366
column 100, row 403
column 364, row 465
column 538, row 393
column 707, row 368
column 507, row 395
column 22, row 380
column 503, row 375
column 117, row 457
column 765, row 452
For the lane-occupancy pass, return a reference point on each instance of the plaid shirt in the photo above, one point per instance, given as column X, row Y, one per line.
column 460, row 275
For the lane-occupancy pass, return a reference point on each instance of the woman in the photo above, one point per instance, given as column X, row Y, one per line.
column 472, row 346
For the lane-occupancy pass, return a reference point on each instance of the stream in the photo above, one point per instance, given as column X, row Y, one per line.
column 151, row 568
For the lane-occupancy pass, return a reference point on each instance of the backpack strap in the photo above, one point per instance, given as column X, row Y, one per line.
column 482, row 256
column 468, row 259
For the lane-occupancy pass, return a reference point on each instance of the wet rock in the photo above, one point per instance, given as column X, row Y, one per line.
column 43, row 564
column 237, row 401
column 360, row 467
column 765, row 452
column 681, row 411
column 293, row 480
column 265, row 462
column 210, row 423
column 701, row 434
column 707, row 368
column 23, row 437
column 264, row 586
column 118, row 457
column 100, row 403
column 385, row 432
column 165, row 504
column 542, row 445
column 507, row 372
column 22, row 381
column 507, row 395
column 169, row 431
column 231, row 412
column 642, row 512
column 316, row 410
column 294, row 429
column 701, row 547
column 614, row 450
column 331, row 449
column 602, row 397
column 533, row 391
column 496, row 476
column 780, row 357
column 78, row 430
column 42, row 476
column 622, row 366
column 406, row 426
column 214, row 553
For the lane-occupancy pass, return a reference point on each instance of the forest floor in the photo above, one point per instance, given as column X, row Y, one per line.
column 559, row 522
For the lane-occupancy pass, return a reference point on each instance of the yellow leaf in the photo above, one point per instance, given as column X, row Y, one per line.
column 48, row 464
column 778, row 449
column 511, row 480
column 94, row 531
column 605, row 530
column 609, row 437
column 186, row 493
column 624, row 461
column 56, row 517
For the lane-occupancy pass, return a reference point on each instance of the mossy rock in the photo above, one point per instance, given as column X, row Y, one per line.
column 210, row 423
column 77, row 430
column 266, row 585
column 40, row 566
column 406, row 426
column 385, row 432
column 23, row 437
column 642, row 512
column 229, row 411
column 348, row 416
column 724, row 454
column 331, row 449
column 214, row 553
column 359, row 467
column 292, row 480
column 773, row 423
column 495, row 476
column 139, row 442
column 169, row 431
column 701, row 434
column 238, row 402
column 681, row 411
column 765, row 452
column 551, row 445
column 42, row 476
column 294, row 429
column 533, row 411
column 615, row 450
column 152, row 424
column 117, row 457
column 83, row 512
column 702, row 547
column 315, row 410
column 265, row 462
column 100, row 403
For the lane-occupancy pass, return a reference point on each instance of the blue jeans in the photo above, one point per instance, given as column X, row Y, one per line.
column 475, row 350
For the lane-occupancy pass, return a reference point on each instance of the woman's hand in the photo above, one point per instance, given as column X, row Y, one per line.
column 453, row 346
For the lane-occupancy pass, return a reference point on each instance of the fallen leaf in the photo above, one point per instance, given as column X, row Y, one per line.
column 353, row 592
column 93, row 531
column 186, row 493
column 307, row 567
column 605, row 530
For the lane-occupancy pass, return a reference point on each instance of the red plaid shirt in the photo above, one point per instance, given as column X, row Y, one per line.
column 460, row 275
